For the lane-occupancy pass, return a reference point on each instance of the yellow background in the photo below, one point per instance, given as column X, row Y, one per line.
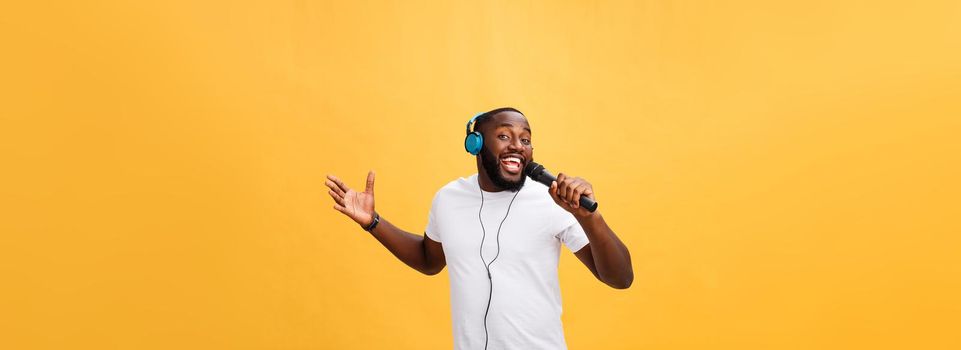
column 784, row 173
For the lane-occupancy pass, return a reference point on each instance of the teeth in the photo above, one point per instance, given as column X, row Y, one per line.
column 512, row 159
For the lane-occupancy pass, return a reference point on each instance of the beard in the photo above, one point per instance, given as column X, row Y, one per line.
column 492, row 168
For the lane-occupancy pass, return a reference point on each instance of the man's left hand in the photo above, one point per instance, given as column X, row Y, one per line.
column 567, row 192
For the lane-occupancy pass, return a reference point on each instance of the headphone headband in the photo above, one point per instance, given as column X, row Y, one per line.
column 472, row 121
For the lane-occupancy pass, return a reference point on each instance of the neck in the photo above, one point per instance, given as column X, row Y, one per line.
column 485, row 182
column 487, row 185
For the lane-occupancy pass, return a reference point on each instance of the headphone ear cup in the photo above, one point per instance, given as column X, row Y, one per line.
column 473, row 143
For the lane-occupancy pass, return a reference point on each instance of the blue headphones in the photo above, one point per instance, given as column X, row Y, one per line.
column 474, row 140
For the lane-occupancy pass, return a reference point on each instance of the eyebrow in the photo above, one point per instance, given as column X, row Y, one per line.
column 512, row 125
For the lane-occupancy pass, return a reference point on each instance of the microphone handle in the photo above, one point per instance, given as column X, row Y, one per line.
column 586, row 202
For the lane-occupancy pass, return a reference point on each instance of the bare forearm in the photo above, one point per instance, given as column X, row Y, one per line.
column 406, row 246
column 611, row 257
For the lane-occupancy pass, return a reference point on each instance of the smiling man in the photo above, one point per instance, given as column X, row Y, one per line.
column 501, row 237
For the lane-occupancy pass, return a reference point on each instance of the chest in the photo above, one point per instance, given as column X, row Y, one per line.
column 472, row 232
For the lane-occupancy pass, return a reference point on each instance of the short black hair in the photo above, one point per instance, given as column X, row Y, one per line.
column 483, row 118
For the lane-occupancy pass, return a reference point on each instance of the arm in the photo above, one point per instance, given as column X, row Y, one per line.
column 419, row 252
column 606, row 256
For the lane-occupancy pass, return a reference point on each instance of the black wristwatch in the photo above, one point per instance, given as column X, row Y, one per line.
column 373, row 223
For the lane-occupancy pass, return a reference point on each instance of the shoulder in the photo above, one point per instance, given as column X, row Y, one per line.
column 464, row 187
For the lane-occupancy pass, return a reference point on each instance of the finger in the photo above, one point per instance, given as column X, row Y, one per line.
column 578, row 190
column 340, row 209
column 340, row 184
column 338, row 199
column 572, row 198
column 370, row 182
column 559, row 190
column 561, row 177
column 589, row 192
column 334, row 187
column 572, row 193
column 553, row 191
column 555, row 195
column 569, row 191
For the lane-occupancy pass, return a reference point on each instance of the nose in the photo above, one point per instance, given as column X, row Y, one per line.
column 516, row 145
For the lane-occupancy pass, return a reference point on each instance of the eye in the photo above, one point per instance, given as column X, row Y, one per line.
column 526, row 141
column 502, row 137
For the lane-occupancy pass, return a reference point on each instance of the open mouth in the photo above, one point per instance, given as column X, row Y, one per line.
column 512, row 164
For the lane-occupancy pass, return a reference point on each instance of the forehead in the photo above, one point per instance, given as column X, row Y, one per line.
column 516, row 120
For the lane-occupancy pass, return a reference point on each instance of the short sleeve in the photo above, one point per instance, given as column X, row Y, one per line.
column 573, row 236
column 432, row 231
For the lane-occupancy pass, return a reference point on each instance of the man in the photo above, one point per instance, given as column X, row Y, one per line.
column 501, row 236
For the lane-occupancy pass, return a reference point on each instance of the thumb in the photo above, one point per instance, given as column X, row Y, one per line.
column 370, row 182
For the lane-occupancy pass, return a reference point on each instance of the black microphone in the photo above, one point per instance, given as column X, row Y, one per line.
column 539, row 174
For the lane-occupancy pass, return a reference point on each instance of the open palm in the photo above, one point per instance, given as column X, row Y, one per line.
column 359, row 206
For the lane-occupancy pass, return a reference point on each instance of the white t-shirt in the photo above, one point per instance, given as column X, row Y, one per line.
column 525, row 310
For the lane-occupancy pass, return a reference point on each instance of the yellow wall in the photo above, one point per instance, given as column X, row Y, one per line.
column 785, row 174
